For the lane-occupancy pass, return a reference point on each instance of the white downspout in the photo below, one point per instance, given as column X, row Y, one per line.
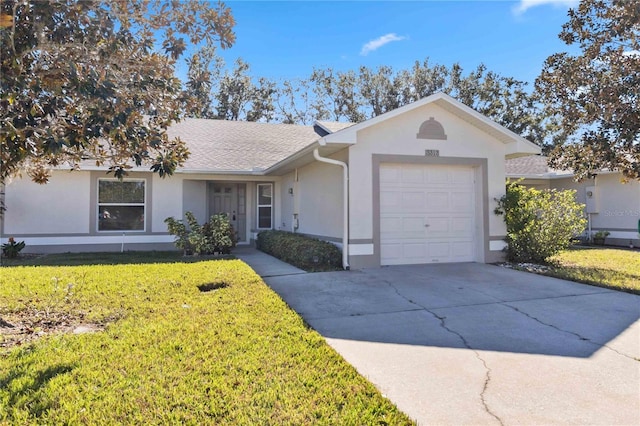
column 345, row 204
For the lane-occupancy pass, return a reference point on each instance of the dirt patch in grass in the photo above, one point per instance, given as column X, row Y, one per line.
column 204, row 288
column 26, row 326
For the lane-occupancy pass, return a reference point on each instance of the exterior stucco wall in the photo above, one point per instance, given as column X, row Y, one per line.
column 194, row 199
column 619, row 205
column 535, row 183
column 287, row 184
column 60, row 207
column 316, row 199
column 397, row 137
column 569, row 183
column 62, row 215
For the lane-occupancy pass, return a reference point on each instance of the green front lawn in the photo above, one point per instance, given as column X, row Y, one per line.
column 166, row 352
column 607, row 267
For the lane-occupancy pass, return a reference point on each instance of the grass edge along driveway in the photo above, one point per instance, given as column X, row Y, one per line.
column 171, row 353
column 613, row 268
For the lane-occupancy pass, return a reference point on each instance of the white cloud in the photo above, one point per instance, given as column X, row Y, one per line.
column 631, row 53
column 525, row 5
column 379, row 42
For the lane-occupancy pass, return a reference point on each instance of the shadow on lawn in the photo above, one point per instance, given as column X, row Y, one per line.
column 105, row 258
column 24, row 388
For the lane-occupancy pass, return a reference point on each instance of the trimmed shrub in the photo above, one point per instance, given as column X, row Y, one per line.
column 539, row 223
column 306, row 253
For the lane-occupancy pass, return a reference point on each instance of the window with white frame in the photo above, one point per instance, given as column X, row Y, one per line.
column 265, row 205
column 121, row 205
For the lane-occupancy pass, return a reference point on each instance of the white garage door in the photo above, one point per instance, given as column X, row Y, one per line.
column 427, row 214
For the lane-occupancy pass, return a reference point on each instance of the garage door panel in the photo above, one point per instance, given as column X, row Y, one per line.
column 390, row 226
column 412, row 175
column 461, row 201
column 402, row 227
column 462, row 176
column 461, row 225
column 437, row 175
column 437, row 201
column 412, row 201
column 415, row 250
column 391, row 252
column 389, row 199
column 462, row 249
column 414, row 195
column 389, row 175
column 438, row 226
column 438, row 250
column 400, row 253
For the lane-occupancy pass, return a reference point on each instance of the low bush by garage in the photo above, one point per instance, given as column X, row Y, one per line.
column 306, row 253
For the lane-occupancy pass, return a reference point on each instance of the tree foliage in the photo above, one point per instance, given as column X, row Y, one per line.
column 596, row 94
column 355, row 96
column 539, row 223
column 84, row 81
column 215, row 236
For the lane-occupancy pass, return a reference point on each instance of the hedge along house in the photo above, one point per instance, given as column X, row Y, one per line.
column 414, row 185
column 610, row 204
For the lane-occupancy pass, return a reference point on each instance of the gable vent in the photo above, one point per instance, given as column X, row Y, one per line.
column 431, row 129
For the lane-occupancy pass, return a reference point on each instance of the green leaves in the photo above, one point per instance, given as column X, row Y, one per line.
column 539, row 223
column 215, row 236
column 79, row 80
column 306, row 253
column 595, row 94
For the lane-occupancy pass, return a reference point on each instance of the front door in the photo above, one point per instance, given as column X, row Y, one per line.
column 230, row 199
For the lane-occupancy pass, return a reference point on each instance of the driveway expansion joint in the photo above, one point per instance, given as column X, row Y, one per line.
column 464, row 341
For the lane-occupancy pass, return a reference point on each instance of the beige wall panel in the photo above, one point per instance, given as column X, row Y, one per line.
column 319, row 194
column 60, row 207
column 166, row 200
column 397, row 136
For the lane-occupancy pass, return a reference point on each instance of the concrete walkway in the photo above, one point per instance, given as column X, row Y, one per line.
column 477, row 344
column 265, row 265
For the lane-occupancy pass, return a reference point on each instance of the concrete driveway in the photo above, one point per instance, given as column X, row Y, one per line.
column 480, row 344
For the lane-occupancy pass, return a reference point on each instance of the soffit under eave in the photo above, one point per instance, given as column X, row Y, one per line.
column 302, row 158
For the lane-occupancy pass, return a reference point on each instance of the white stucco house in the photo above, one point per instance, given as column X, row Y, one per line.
column 610, row 204
column 414, row 185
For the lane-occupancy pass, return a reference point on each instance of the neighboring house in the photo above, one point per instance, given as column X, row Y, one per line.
column 610, row 204
column 414, row 185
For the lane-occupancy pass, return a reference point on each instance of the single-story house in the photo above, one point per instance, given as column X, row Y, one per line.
column 415, row 185
column 610, row 204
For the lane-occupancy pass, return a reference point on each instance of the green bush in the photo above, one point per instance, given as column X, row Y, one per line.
column 306, row 253
column 11, row 248
column 215, row 236
column 539, row 223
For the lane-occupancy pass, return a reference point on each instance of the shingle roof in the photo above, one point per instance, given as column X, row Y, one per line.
column 531, row 165
column 219, row 145
column 334, row 126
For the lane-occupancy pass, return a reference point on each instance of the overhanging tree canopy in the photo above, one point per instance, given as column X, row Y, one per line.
column 596, row 94
column 94, row 81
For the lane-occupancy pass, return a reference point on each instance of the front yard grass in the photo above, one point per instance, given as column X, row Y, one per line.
column 618, row 269
column 169, row 353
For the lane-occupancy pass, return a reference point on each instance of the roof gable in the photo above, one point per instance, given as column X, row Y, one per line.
column 519, row 145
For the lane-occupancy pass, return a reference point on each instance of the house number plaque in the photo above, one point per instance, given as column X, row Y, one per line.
column 432, row 153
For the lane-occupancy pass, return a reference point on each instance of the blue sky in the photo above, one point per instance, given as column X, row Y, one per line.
column 285, row 40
